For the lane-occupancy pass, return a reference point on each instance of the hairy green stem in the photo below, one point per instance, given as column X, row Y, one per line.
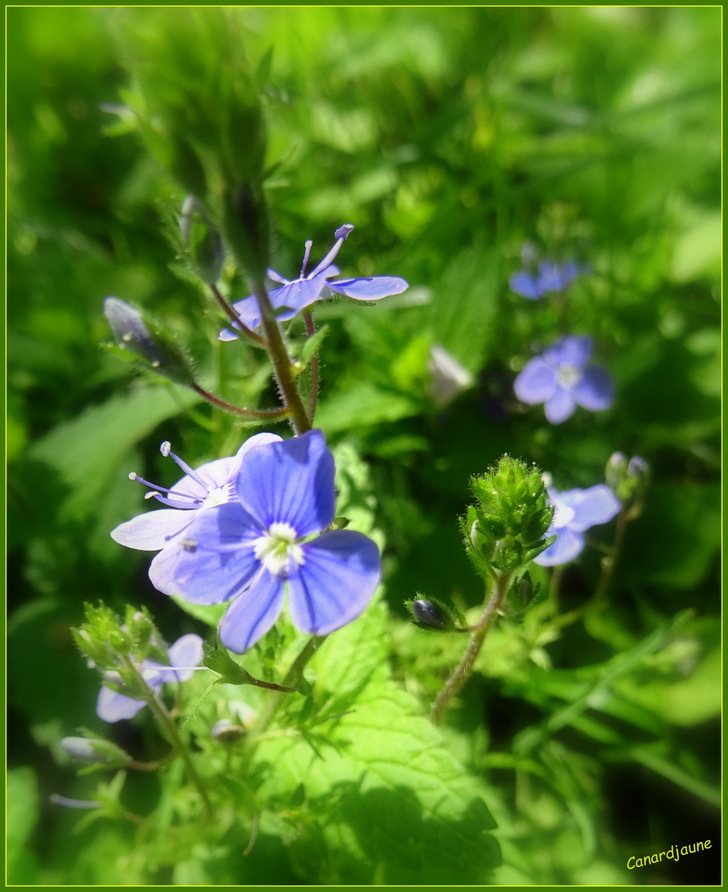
column 314, row 366
column 291, row 682
column 170, row 730
column 259, row 414
column 282, row 366
column 465, row 668
column 229, row 311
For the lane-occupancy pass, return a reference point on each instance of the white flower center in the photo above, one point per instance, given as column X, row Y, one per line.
column 568, row 376
column 217, row 496
column 563, row 515
column 277, row 548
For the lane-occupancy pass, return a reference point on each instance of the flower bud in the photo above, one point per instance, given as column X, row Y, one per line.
column 506, row 527
column 155, row 347
column 202, row 241
column 94, row 751
column 247, row 230
column 225, row 732
column 429, row 615
column 627, row 479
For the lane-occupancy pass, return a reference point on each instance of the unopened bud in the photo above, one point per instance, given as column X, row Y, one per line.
column 429, row 615
column 96, row 752
column 225, row 731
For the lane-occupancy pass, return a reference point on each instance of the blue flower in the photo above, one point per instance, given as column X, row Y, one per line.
column 576, row 510
column 551, row 276
column 562, row 380
column 273, row 537
column 184, row 655
column 294, row 296
column 210, row 485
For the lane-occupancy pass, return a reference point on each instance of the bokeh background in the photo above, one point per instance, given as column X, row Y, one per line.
column 450, row 137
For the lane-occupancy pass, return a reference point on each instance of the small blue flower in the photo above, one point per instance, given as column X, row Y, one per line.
column 274, row 538
column 562, row 380
column 184, row 656
column 576, row 510
column 210, row 485
column 551, row 276
column 300, row 293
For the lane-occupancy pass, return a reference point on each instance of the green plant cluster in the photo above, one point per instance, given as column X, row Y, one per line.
column 590, row 729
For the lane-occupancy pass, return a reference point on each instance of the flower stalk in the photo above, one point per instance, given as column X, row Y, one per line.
column 464, row 669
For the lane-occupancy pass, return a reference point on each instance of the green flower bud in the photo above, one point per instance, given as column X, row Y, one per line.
column 628, row 479
column 94, row 751
column 225, row 732
column 505, row 529
column 202, row 241
column 148, row 341
column 247, row 230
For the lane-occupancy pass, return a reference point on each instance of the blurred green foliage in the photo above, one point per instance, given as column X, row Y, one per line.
column 449, row 137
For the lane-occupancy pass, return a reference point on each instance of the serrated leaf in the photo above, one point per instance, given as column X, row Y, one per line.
column 396, row 805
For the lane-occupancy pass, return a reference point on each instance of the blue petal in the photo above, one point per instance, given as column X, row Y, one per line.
column 335, row 583
column 185, row 653
column 560, row 407
column 112, row 707
column 251, row 615
column 595, row 390
column 217, row 562
column 592, row 506
column 369, row 287
column 290, row 482
column 567, row 546
column 153, row 530
column 526, row 285
column 572, row 351
column 557, row 276
column 536, row 382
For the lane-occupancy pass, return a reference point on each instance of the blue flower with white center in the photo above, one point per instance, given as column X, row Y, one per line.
column 210, row 485
column 296, row 295
column 184, row 657
column 575, row 511
column 273, row 539
column 551, row 276
column 562, row 380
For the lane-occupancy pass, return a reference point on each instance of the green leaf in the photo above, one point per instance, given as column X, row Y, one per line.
column 391, row 803
column 210, row 614
column 86, row 453
column 22, row 816
column 313, row 344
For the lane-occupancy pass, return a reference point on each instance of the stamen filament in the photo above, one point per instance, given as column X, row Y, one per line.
column 306, row 255
column 157, row 491
column 342, row 234
column 166, row 450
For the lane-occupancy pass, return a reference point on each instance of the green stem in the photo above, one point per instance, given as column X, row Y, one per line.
column 292, row 681
column 259, row 414
column 465, row 668
column 229, row 311
column 609, row 565
column 314, row 367
column 282, row 366
column 165, row 720
column 170, row 730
